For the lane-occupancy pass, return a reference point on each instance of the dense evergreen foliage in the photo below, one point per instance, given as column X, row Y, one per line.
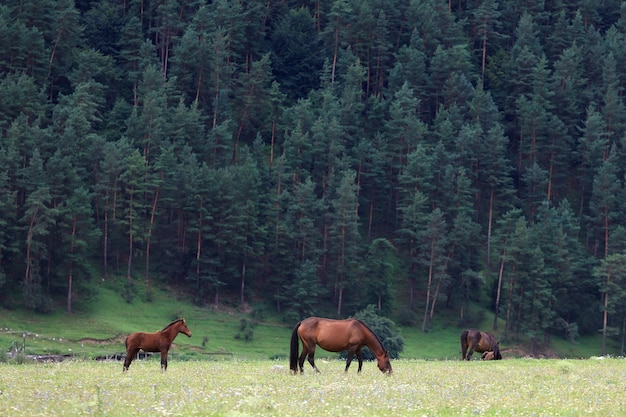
column 410, row 154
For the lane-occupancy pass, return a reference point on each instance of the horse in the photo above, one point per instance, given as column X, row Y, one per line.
column 154, row 342
column 480, row 342
column 335, row 336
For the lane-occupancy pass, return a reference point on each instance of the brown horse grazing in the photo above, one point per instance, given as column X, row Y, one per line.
column 480, row 342
column 335, row 336
column 155, row 342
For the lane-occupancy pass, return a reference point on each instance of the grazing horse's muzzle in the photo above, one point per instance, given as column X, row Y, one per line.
column 385, row 368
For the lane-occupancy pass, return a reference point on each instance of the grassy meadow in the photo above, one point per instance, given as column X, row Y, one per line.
column 516, row 387
column 222, row 372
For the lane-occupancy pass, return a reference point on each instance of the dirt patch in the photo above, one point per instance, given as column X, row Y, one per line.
column 518, row 352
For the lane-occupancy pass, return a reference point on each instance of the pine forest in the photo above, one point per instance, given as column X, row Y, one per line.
column 324, row 156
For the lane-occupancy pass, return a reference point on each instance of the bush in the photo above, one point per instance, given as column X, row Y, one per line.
column 246, row 330
column 384, row 328
column 20, row 358
column 128, row 292
column 279, row 357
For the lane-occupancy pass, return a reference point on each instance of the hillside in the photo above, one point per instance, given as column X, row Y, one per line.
column 99, row 331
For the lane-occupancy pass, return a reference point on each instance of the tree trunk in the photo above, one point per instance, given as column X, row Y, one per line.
column 272, row 143
column 29, row 258
column 509, row 306
column 605, row 314
column 70, row 277
column 130, row 239
column 243, row 284
column 105, row 243
column 69, row 293
column 430, row 280
column 500, row 274
column 623, row 347
column 484, row 58
column 339, row 301
column 551, row 173
column 434, row 301
column 371, row 218
column 533, row 346
column 489, row 226
column 199, row 244
column 149, row 237
column 199, row 82
column 335, row 53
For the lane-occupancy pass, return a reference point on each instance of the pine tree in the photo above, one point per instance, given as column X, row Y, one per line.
column 494, row 181
column 20, row 96
column 413, row 219
column 605, row 208
column 611, row 278
column 378, row 272
column 486, row 21
column 132, row 179
column 109, row 187
column 343, row 237
column 433, row 253
column 37, row 221
column 591, row 148
column 296, row 65
column 66, row 31
column 79, row 232
column 8, row 225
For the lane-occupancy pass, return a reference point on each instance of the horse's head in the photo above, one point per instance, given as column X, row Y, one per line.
column 496, row 352
column 384, row 364
column 183, row 328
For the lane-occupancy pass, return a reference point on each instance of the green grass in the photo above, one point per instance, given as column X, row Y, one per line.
column 520, row 387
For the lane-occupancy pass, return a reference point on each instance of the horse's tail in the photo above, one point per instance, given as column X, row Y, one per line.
column 293, row 351
column 464, row 343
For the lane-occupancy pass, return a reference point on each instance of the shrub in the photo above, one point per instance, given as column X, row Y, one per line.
column 246, row 330
column 384, row 328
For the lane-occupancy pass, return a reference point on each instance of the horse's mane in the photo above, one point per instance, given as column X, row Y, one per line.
column 372, row 332
column 172, row 323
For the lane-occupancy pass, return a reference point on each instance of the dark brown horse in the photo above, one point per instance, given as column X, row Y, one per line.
column 155, row 342
column 335, row 336
column 475, row 340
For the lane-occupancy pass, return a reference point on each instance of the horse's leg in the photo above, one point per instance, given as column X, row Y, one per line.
column 359, row 356
column 349, row 359
column 473, row 344
column 312, row 357
column 130, row 355
column 305, row 351
column 163, row 360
